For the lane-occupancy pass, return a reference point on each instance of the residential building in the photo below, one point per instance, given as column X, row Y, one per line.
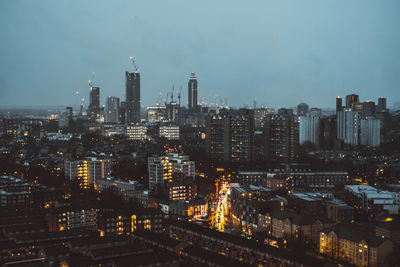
column 348, row 123
column 162, row 169
column 309, row 127
column 281, row 134
column 374, row 200
column 136, row 132
column 370, row 132
column 292, row 226
column 230, row 135
column 351, row 244
column 87, row 171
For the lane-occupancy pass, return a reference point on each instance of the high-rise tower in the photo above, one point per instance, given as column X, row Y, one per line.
column 94, row 106
column 192, row 92
column 112, row 110
column 132, row 83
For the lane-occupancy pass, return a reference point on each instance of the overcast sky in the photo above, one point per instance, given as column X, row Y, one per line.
column 279, row 52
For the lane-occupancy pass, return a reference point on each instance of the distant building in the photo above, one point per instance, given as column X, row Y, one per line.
column 348, row 122
column 302, row 109
column 87, row 171
column 94, row 106
column 381, row 105
column 230, row 135
column 260, row 116
column 171, row 132
column 339, row 104
column 125, row 189
column 112, row 110
column 374, row 200
column 132, row 103
column 193, row 91
column 156, row 114
column 367, row 109
column 370, row 132
column 309, row 127
column 282, row 137
column 162, row 168
column 136, row 132
column 351, row 100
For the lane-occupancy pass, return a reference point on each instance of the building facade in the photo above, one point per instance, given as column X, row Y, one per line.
column 132, row 91
column 112, row 110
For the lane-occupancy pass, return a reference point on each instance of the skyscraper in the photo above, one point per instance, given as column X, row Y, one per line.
column 94, row 106
column 112, row 110
column 192, row 92
column 132, row 108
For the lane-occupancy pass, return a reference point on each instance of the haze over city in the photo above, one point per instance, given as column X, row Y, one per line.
column 280, row 52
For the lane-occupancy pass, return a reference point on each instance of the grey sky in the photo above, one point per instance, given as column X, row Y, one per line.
column 281, row 52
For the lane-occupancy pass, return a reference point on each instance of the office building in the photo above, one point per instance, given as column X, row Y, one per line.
column 348, row 122
column 156, row 114
column 171, row 132
column 309, row 127
column 94, row 106
column 132, row 106
column 162, row 169
column 192, row 92
column 112, row 110
column 370, row 132
column 87, row 171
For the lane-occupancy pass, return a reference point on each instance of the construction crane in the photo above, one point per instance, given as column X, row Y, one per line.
column 166, row 99
column 134, row 64
column 179, row 95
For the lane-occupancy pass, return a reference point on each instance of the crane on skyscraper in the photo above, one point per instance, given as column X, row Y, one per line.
column 134, row 64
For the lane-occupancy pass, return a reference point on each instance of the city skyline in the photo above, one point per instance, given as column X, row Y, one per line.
column 285, row 59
